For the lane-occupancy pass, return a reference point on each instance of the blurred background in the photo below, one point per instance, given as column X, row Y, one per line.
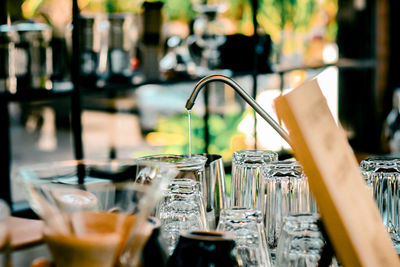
column 117, row 84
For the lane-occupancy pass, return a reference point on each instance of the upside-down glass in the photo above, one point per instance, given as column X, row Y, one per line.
column 286, row 192
column 383, row 175
column 4, row 234
column 181, row 209
column 189, row 167
column 247, row 168
column 93, row 210
column 301, row 242
column 247, row 227
column 376, row 164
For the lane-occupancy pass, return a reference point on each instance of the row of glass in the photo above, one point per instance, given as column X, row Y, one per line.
column 270, row 212
column 382, row 177
column 264, row 192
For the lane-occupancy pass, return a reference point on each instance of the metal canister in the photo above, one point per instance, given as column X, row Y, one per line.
column 33, row 56
column 8, row 37
column 90, row 41
column 120, row 44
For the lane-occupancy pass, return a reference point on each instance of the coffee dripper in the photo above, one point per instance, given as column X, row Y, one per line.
column 93, row 211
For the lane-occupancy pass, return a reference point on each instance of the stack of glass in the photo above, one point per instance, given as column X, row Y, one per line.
column 182, row 207
column 382, row 177
column 244, row 217
column 247, row 227
column 286, row 192
column 301, row 242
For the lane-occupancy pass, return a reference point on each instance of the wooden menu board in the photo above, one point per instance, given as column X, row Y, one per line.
column 349, row 214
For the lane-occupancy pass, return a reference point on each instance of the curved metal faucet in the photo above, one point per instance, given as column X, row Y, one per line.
column 243, row 94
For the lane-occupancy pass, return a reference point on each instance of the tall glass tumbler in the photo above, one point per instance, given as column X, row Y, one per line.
column 301, row 242
column 181, row 209
column 384, row 176
column 247, row 227
column 286, row 192
column 247, row 168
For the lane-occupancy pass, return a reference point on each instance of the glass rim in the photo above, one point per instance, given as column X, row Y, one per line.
column 284, row 170
column 380, row 164
column 182, row 186
column 255, row 152
column 302, row 217
column 254, row 157
column 240, row 213
column 179, row 161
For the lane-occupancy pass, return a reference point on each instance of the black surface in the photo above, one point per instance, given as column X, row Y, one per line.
column 357, row 97
column 5, row 165
column 203, row 252
column 237, row 54
column 3, row 12
column 327, row 252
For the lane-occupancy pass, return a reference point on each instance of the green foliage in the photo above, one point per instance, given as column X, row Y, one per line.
column 113, row 6
column 179, row 10
column 275, row 15
column 331, row 31
column 303, row 14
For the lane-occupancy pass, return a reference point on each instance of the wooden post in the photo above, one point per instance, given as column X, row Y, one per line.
column 348, row 212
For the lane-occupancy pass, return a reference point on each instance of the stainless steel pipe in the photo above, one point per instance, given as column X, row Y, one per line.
column 220, row 78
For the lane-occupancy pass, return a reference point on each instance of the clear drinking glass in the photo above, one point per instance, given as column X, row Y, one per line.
column 286, row 192
column 301, row 242
column 383, row 177
column 247, row 227
column 189, row 167
column 211, row 178
column 247, row 168
column 181, row 209
column 4, row 234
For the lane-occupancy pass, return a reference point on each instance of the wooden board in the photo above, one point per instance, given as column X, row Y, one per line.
column 349, row 214
column 25, row 232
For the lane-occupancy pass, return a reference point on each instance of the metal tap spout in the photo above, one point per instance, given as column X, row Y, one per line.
column 220, row 78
